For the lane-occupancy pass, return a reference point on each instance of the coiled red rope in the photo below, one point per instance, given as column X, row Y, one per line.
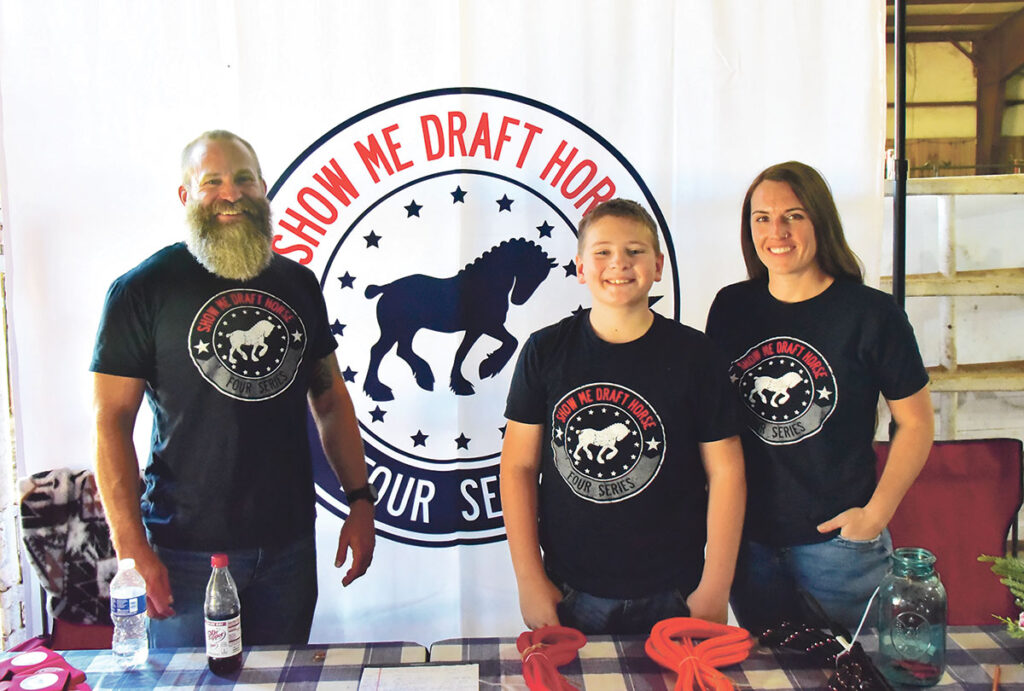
column 671, row 645
column 544, row 651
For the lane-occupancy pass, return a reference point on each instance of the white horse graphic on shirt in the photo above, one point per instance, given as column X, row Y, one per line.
column 605, row 438
column 255, row 336
column 778, row 386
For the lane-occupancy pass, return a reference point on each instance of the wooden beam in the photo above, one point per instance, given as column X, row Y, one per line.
column 995, row 376
column 981, row 282
column 967, row 184
column 974, row 19
column 997, row 55
column 912, row 3
column 919, row 36
column 1004, row 45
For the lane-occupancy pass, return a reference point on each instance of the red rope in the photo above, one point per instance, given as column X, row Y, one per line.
column 544, row 651
column 671, row 646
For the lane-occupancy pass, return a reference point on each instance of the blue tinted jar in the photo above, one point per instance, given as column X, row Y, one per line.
column 912, row 619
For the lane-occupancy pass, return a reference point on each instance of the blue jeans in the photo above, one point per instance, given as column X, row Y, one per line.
column 277, row 589
column 601, row 615
column 841, row 574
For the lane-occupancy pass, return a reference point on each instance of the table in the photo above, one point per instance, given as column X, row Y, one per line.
column 613, row 663
column 606, row 663
column 334, row 667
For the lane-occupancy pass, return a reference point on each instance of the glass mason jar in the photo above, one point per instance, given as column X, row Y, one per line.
column 912, row 619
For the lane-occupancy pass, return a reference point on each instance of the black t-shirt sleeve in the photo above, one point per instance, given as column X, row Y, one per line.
column 713, row 325
column 717, row 408
column 526, row 397
column 898, row 366
column 322, row 342
column 124, row 341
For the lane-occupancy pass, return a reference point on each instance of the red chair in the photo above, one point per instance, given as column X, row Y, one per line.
column 963, row 504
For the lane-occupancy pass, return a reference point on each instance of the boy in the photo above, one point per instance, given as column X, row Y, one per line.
column 621, row 459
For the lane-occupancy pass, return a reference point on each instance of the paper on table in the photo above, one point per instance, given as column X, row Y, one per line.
column 421, row 678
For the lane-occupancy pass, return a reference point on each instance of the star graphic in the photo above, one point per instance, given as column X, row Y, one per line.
column 502, row 430
column 459, row 195
column 652, row 444
column 558, row 432
column 419, row 439
column 349, row 375
column 733, row 378
column 347, row 280
column 824, row 394
column 545, row 229
column 462, row 441
column 297, row 336
column 377, row 415
column 570, row 269
column 337, row 328
column 413, row 209
column 372, row 240
column 504, row 204
column 201, row 347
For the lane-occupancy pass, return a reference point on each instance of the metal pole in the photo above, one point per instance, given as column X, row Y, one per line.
column 899, row 190
column 899, row 195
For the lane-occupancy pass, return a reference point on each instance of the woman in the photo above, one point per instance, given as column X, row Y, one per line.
column 810, row 349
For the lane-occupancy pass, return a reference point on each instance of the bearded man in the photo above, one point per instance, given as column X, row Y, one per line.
column 230, row 344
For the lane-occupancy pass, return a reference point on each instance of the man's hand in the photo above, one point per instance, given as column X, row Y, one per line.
column 159, row 599
column 709, row 606
column 538, row 603
column 357, row 534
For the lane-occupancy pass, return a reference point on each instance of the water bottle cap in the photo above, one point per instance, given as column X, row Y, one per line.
column 218, row 561
column 126, row 564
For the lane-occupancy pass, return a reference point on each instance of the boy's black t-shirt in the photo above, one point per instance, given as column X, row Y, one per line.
column 809, row 374
column 622, row 496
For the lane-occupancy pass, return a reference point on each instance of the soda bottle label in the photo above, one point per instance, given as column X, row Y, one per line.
column 127, row 606
column 224, row 638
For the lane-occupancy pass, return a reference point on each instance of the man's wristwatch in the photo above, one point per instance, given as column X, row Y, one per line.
column 367, row 492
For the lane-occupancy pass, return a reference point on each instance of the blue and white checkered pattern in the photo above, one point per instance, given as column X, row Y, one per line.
column 605, row 663
column 334, row 667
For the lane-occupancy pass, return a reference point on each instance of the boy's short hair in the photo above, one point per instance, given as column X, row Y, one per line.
column 620, row 208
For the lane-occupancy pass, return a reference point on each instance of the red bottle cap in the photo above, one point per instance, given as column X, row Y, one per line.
column 218, row 561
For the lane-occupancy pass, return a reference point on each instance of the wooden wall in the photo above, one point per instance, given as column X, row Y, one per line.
column 956, row 156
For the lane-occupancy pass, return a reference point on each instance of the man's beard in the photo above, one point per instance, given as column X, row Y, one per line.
column 238, row 250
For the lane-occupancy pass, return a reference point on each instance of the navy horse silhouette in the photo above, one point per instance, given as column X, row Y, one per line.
column 475, row 300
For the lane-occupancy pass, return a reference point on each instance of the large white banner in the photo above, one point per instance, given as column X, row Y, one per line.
column 429, row 162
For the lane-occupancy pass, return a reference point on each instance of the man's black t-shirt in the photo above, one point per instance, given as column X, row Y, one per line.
column 227, row 366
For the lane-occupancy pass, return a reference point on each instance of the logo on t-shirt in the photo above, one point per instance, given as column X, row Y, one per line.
column 787, row 387
column 247, row 343
column 607, row 441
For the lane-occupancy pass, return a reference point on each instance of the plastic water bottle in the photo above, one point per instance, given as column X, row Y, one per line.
column 128, row 612
column 223, row 619
column 912, row 619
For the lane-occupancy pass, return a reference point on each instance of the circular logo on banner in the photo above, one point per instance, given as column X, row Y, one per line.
column 442, row 227
column 247, row 343
column 608, row 443
column 787, row 387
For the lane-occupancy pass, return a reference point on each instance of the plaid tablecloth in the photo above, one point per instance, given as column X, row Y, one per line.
column 333, row 667
column 609, row 663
